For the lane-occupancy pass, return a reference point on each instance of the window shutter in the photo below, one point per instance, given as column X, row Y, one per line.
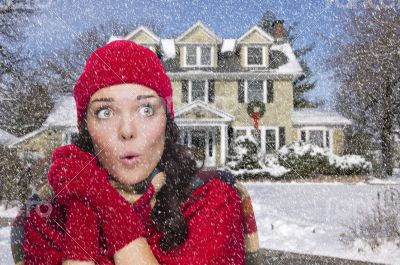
column 211, row 93
column 270, row 91
column 241, row 91
column 185, row 91
column 282, row 138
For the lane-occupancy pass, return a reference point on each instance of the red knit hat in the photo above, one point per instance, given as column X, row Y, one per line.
column 118, row 62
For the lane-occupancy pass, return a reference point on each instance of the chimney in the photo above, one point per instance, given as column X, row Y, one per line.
column 279, row 30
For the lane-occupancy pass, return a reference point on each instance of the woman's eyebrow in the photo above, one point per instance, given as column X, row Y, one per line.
column 140, row 97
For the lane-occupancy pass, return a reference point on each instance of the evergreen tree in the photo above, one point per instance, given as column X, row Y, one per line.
column 243, row 154
column 303, row 84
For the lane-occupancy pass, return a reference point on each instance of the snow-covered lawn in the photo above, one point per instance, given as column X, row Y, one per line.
column 308, row 217
column 304, row 218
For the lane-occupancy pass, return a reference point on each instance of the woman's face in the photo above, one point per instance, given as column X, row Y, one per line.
column 127, row 125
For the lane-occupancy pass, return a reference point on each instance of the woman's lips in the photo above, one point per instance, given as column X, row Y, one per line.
column 130, row 161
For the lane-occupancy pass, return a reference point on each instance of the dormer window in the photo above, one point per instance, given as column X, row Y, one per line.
column 255, row 56
column 198, row 55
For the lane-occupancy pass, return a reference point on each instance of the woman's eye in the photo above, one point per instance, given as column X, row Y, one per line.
column 146, row 110
column 104, row 113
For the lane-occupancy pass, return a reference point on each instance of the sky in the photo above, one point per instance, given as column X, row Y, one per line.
column 319, row 22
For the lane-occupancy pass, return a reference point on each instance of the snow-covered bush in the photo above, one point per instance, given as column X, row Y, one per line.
column 243, row 154
column 304, row 160
column 380, row 225
column 307, row 160
column 246, row 162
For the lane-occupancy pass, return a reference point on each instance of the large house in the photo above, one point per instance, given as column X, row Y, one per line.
column 214, row 80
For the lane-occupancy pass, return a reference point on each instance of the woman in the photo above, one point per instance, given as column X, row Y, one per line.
column 126, row 192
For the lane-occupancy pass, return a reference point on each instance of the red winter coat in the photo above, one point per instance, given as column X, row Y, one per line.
column 215, row 230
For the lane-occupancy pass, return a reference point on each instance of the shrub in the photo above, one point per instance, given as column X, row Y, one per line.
column 380, row 225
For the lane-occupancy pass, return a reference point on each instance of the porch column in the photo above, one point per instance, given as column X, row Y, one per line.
column 223, row 130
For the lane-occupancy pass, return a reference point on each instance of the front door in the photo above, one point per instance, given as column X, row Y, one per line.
column 202, row 141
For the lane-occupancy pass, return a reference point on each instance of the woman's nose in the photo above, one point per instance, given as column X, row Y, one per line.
column 127, row 128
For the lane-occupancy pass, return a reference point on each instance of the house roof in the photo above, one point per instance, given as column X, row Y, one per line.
column 228, row 45
column 193, row 27
column 292, row 66
column 317, row 117
column 7, row 138
column 168, row 48
column 145, row 30
column 63, row 113
column 260, row 31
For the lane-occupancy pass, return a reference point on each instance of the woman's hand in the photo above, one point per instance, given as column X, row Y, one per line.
column 75, row 173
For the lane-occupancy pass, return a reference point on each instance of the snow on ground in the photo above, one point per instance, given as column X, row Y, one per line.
column 298, row 217
column 308, row 218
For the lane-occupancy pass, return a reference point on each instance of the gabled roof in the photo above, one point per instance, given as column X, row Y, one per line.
column 267, row 37
column 145, row 30
column 27, row 136
column 7, row 138
column 198, row 104
column 193, row 27
column 317, row 117
column 63, row 113
column 292, row 66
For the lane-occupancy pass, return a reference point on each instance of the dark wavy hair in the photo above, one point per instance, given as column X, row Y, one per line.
column 179, row 166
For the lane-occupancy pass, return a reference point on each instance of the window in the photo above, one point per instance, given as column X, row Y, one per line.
column 240, row 132
column 205, row 56
column 69, row 137
column 191, row 55
column 303, row 136
column 255, row 90
column 270, row 141
column 254, row 56
column 316, row 137
column 198, row 90
column 198, row 55
column 320, row 137
column 210, row 143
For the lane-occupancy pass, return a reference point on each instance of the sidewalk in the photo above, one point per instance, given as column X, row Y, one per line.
column 276, row 257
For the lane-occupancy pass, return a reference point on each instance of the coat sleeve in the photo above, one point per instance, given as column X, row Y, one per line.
column 215, row 228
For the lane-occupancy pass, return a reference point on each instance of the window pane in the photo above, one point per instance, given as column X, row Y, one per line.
column 198, row 90
column 210, row 144
column 240, row 133
column 190, row 55
column 317, row 137
column 206, row 55
column 254, row 55
column 303, row 136
column 327, row 139
column 255, row 90
column 270, row 144
column 257, row 135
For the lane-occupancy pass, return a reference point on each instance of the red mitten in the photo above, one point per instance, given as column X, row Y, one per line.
column 75, row 173
column 48, row 241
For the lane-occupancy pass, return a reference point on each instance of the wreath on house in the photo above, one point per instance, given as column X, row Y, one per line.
column 256, row 110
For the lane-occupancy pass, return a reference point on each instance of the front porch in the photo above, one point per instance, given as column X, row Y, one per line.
column 205, row 129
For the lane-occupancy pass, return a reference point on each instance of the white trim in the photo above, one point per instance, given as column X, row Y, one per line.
column 246, row 93
column 267, row 37
column 147, row 31
column 198, row 103
column 198, row 56
column 193, row 27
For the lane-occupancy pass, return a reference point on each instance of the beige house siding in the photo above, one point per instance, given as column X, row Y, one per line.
column 338, row 141
column 177, row 94
column 44, row 142
column 198, row 35
column 142, row 37
column 254, row 37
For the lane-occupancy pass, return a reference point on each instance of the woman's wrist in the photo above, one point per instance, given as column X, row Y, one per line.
column 136, row 252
